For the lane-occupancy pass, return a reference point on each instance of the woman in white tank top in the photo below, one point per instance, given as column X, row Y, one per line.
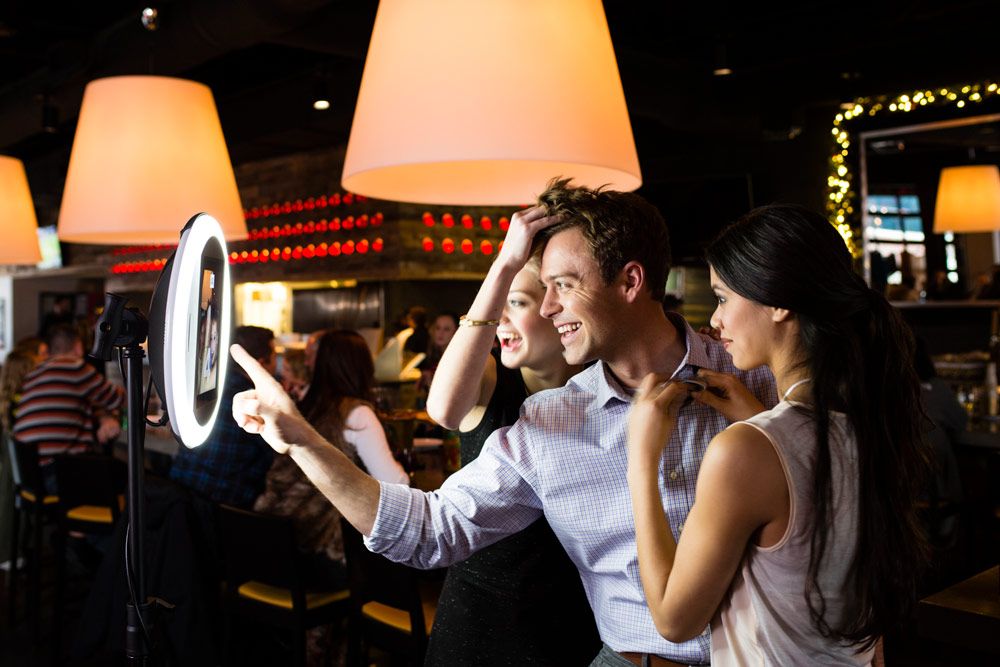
column 802, row 545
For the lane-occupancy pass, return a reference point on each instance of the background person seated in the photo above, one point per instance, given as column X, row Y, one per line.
column 339, row 406
column 948, row 419
column 442, row 330
column 230, row 466
column 60, row 400
column 17, row 364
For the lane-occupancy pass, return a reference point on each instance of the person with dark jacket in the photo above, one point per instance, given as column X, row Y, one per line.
column 231, row 465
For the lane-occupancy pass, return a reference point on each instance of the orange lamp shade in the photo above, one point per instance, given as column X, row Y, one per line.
column 17, row 215
column 481, row 103
column 148, row 154
column 968, row 199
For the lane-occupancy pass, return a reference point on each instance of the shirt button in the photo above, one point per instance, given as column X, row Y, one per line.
column 680, row 527
column 674, row 475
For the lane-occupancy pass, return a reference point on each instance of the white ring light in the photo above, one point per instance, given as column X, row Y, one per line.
column 193, row 366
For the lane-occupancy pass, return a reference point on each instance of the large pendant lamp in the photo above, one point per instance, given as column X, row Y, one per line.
column 17, row 215
column 482, row 102
column 968, row 201
column 148, row 154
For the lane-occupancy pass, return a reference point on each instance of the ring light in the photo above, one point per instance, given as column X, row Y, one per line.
column 189, row 321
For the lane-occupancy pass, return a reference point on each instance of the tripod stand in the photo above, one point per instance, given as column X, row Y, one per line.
column 126, row 329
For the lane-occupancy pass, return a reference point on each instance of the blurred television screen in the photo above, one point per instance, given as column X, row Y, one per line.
column 48, row 243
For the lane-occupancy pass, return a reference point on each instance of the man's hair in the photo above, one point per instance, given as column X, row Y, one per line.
column 61, row 338
column 619, row 227
column 418, row 315
column 255, row 340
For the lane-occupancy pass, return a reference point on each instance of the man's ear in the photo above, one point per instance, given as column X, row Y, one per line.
column 781, row 314
column 633, row 278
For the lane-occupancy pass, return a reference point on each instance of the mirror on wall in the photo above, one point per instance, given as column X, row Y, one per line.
column 900, row 169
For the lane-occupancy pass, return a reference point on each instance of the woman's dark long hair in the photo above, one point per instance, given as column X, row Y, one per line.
column 859, row 355
column 343, row 370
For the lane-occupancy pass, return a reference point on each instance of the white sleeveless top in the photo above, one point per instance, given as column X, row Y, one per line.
column 765, row 619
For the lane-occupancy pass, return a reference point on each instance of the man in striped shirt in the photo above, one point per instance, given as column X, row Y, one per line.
column 61, row 399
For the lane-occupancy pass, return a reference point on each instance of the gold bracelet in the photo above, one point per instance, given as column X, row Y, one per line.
column 464, row 321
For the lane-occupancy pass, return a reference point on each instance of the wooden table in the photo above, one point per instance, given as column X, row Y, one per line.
column 966, row 614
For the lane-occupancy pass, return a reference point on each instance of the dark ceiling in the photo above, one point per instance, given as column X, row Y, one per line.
column 263, row 58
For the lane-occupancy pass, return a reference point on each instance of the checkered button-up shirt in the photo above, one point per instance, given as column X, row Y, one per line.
column 566, row 458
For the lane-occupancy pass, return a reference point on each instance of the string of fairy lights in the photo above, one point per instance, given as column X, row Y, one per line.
column 841, row 196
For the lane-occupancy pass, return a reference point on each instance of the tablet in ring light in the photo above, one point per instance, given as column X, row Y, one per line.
column 189, row 325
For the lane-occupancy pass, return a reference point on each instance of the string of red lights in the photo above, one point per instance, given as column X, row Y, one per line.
column 276, row 254
column 325, row 249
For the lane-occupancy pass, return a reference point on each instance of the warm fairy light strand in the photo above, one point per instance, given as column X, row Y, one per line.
column 840, row 196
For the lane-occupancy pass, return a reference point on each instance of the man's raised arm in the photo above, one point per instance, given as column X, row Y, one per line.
column 269, row 411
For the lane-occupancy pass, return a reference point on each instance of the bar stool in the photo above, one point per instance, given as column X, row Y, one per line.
column 263, row 581
column 89, row 505
column 37, row 508
column 389, row 609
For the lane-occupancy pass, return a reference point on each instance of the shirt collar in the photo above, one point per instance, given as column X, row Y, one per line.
column 696, row 355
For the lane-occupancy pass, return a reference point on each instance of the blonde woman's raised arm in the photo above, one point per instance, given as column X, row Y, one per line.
column 466, row 375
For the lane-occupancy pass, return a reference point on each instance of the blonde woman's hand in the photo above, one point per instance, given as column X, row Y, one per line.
column 524, row 225
column 727, row 395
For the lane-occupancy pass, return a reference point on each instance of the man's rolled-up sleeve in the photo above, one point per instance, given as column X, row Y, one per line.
column 487, row 500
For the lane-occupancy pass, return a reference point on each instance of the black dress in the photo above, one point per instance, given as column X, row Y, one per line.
column 519, row 601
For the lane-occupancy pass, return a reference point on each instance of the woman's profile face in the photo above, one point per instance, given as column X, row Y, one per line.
column 745, row 326
column 526, row 338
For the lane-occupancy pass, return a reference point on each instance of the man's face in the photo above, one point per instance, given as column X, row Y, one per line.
column 581, row 307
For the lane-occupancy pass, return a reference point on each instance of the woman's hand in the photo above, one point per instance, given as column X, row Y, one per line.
column 652, row 418
column 267, row 409
column 516, row 250
column 727, row 395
